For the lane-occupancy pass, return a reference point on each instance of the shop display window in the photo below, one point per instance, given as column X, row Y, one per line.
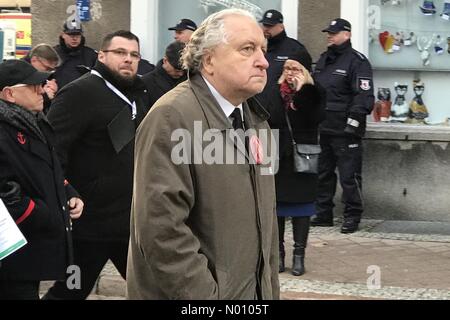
column 410, row 34
column 409, row 49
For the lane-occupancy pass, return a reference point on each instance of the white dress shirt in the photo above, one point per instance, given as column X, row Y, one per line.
column 226, row 106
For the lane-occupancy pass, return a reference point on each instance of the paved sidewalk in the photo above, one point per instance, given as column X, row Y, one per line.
column 338, row 266
column 410, row 266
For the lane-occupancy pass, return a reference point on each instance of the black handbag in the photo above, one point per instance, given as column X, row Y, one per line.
column 305, row 156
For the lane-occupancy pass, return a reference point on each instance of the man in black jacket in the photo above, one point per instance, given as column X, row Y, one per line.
column 280, row 47
column 32, row 185
column 346, row 75
column 74, row 54
column 95, row 118
column 167, row 75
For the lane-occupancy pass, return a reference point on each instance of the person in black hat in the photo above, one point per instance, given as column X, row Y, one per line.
column 280, row 47
column 32, row 186
column 167, row 75
column 184, row 30
column 76, row 57
column 346, row 75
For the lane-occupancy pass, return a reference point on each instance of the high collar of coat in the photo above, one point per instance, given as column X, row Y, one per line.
column 254, row 113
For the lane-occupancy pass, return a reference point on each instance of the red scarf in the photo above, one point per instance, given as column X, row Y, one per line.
column 287, row 93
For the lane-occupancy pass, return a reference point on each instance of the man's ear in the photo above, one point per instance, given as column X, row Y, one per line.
column 33, row 61
column 208, row 63
column 101, row 56
column 8, row 95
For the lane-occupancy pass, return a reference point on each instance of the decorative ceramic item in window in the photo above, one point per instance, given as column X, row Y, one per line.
column 428, row 8
column 400, row 109
column 446, row 11
column 423, row 45
column 438, row 47
column 382, row 109
column 418, row 111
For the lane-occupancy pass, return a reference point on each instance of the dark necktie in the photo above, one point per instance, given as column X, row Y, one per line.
column 239, row 124
column 237, row 119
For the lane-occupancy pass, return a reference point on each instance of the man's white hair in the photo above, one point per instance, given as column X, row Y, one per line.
column 209, row 35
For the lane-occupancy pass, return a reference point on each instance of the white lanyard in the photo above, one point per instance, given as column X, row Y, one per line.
column 120, row 94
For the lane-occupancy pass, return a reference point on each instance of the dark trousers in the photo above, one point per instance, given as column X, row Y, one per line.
column 19, row 290
column 345, row 153
column 300, row 228
column 90, row 257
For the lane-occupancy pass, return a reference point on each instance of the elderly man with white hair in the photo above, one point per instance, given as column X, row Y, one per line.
column 202, row 229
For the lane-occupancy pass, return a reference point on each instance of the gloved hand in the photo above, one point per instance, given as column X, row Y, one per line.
column 11, row 193
column 356, row 124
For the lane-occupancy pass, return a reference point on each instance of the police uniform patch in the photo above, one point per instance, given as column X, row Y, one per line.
column 365, row 84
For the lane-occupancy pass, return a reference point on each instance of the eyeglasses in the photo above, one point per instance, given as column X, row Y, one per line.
column 289, row 69
column 48, row 67
column 124, row 53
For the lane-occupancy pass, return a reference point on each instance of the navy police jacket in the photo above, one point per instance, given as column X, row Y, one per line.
column 346, row 75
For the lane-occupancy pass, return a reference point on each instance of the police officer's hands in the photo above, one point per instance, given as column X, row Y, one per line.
column 355, row 122
column 76, row 208
column 10, row 193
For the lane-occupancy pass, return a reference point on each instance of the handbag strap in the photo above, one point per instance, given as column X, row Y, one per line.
column 290, row 127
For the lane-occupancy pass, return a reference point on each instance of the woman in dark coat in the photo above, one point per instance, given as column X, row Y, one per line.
column 297, row 95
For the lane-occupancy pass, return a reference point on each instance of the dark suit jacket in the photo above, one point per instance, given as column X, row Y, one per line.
column 95, row 140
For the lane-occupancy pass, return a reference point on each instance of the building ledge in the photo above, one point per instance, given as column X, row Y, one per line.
column 407, row 132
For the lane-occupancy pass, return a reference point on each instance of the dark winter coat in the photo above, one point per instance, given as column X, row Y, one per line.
column 34, row 190
column 96, row 144
column 346, row 75
column 71, row 60
column 145, row 67
column 158, row 83
column 296, row 187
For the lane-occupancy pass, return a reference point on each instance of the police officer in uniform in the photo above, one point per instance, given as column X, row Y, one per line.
column 183, row 30
column 279, row 48
column 76, row 57
column 346, row 75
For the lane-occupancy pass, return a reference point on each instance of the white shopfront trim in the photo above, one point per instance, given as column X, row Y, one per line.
column 356, row 13
column 144, row 23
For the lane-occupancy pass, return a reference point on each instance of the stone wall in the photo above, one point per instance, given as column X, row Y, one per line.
column 406, row 173
column 313, row 17
column 49, row 16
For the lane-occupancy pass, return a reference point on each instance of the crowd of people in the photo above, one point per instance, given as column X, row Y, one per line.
column 90, row 169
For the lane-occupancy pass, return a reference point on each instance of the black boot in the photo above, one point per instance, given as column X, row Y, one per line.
column 298, row 265
column 281, row 266
column 301, row 230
